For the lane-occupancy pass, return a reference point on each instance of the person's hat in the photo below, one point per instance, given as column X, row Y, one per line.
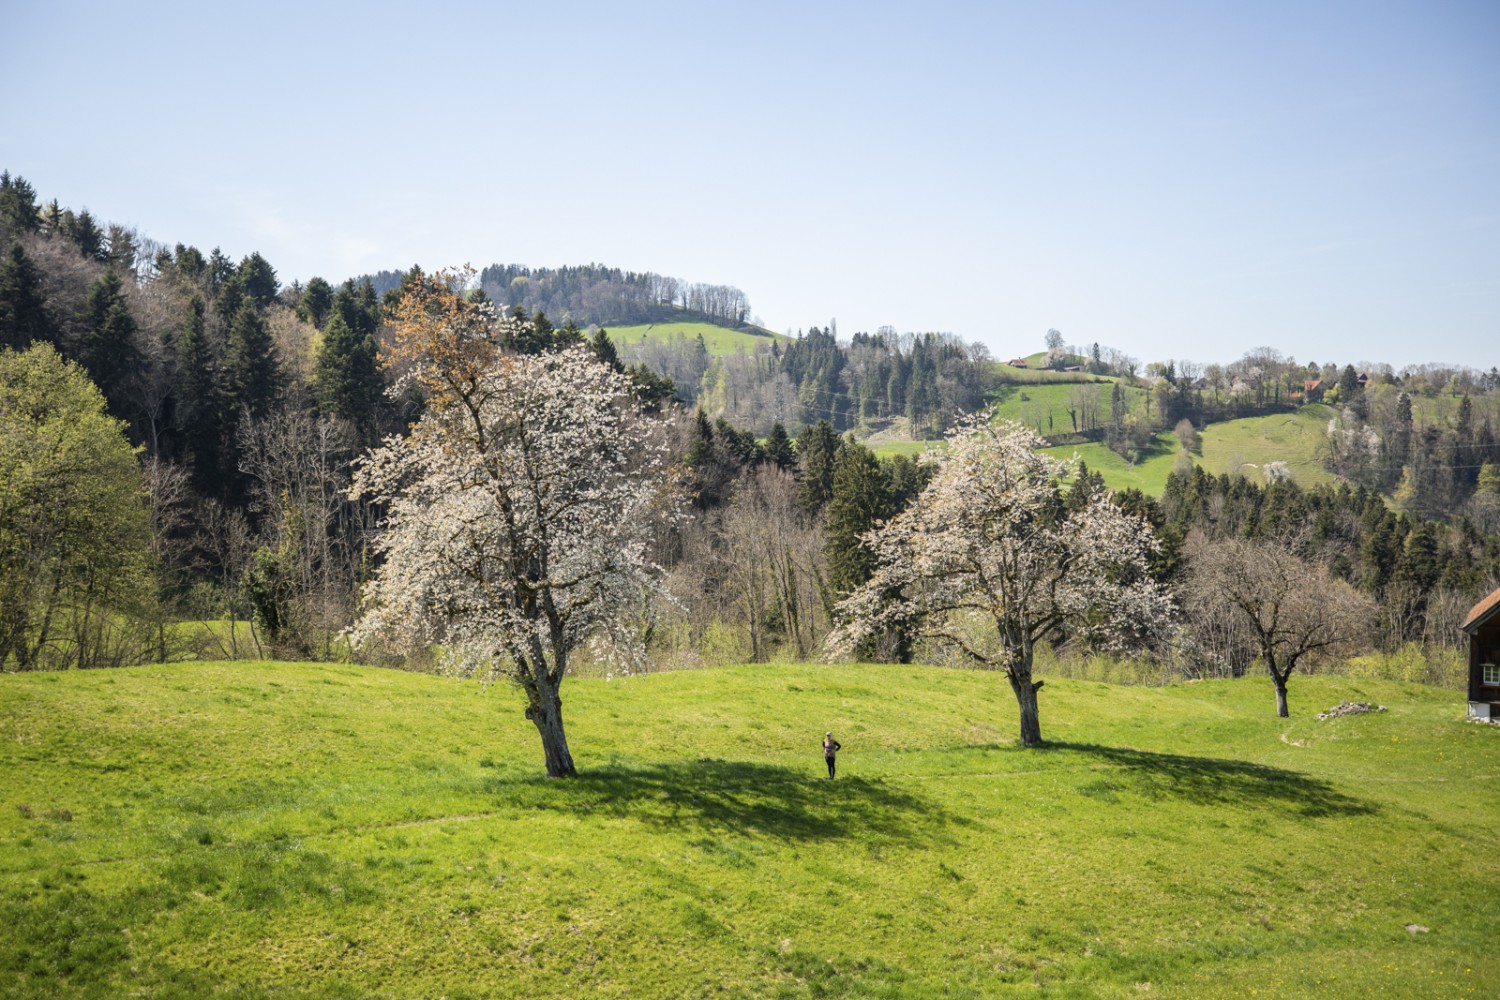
column 827, row 734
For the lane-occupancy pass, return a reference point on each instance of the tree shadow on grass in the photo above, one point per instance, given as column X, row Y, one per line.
column 741, row 796
column 1214, row 781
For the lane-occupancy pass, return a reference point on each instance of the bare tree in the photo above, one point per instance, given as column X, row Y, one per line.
column 770, row 558
column 313, row 535
column 1291, row 608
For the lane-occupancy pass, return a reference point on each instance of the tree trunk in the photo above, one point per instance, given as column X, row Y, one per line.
column 1280, row 682
column 1025, row 689
column 546, row 711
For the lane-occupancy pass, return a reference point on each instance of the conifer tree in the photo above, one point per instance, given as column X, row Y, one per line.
column 347, row 380
column 258, row 279
column 23, row 307
column 359, row 306
column 816, row 447
column 859, row 500
column 604, row 349
column 85, row 233
column 316, row 302
column 108, row 350
column 253, row 380
column 200, row 404
column 18, row 209
column 779, row 448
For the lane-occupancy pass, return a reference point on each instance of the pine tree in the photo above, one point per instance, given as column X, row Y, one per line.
column 258, row 279
column 108, row 350
column 18, row 209
column 253, row 380
column 359, row 306
column 85, row 233
column 347, row 380
column 316, row 302
column 778, row 448
column 23, row 307
column 200, row 403
column 604, row 349
column 816, row 449
column 859, row 499
column 700, row 452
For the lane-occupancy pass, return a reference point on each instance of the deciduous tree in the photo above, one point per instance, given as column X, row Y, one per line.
column 519, row 507
column 1291, row 608
column 74, row 531
column 987, row 562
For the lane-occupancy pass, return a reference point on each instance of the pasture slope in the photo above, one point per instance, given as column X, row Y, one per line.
column 298, row 830
column 718, row 340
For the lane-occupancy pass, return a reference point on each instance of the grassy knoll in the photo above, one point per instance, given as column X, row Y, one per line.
column 718, row 339
column 1241, row 446
column 258, row 829
column 1246, row 445
column 1044, row 408
column 911, row 449
column 1148, row 473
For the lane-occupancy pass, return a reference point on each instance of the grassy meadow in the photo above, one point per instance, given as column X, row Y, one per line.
column 1242, row 446
column 296, row 830
column 718, row 339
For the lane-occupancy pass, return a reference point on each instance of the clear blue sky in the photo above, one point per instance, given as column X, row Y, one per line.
column 1181, row 180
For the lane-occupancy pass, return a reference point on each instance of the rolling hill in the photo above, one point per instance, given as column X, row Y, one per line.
column 719, row 340
column 259, row 829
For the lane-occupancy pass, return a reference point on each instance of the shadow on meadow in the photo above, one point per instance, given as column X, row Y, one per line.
column 736, row 795
column 1214, row 781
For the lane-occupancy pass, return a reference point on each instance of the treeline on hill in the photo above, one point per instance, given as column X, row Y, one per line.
column 237, row 407
column 923, row 381
column 593, row 294
column 1422, row 575
column 1428, row 435
column 248, row 403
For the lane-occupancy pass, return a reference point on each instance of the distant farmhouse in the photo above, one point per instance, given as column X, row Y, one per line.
column 1483, row 628
column 1314, row 388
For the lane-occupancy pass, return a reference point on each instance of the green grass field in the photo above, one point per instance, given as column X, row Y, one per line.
column 1234, row 446
column 291, row 830
column 1246, row 445
column 1148, row 473
column 718, row 339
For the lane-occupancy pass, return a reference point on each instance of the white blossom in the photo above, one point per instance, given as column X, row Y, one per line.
column 988, row 561
column 519, row 514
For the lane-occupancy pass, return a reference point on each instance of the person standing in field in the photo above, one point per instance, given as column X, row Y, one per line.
column 831, row 746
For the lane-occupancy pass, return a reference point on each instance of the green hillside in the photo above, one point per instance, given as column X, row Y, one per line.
column 718, row 339
column 1148, row 473
column 1246, row 445
column 1234, row 446
column 259, row 829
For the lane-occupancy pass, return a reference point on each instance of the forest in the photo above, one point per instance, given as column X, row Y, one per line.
column 184, row 433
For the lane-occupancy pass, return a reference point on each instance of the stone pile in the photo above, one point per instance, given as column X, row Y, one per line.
column 1350, row 708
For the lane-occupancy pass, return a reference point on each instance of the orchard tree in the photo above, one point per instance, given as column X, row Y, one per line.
column 987, row 561
column 1290, row 608
column 519, row 506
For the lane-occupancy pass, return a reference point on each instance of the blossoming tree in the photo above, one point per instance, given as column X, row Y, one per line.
column 988, row 561
column 519, row 506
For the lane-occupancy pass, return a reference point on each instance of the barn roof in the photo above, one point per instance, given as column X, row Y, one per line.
column 1482, row 612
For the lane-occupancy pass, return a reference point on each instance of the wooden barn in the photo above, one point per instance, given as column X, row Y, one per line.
column 1483, row 628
